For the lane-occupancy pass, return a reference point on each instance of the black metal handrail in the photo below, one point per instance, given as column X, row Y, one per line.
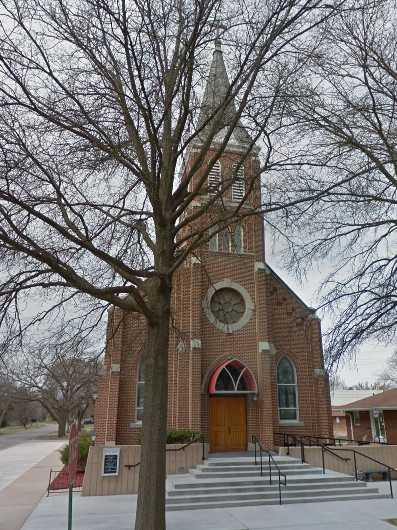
column 331, row 440
column 355, row 452
column 175, row 449
column 325, row 448
column 271, row 461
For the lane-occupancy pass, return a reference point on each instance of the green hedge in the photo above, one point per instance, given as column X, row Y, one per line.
column 181, row 436
column 84, row 447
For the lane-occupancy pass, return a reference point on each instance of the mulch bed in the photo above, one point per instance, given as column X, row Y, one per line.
column 61, row 481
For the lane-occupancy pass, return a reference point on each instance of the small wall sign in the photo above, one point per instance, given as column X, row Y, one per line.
column 111, row 461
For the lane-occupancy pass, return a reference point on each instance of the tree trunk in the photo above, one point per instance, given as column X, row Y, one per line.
column 4, row 412
column 151, row 493
column 61, row 427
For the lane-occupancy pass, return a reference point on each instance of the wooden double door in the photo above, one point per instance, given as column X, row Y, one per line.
column 227, row 423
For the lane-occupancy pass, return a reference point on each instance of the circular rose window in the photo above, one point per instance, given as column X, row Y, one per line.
column 227, row 305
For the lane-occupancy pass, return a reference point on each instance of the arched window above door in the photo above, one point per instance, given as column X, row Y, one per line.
column 232, row 376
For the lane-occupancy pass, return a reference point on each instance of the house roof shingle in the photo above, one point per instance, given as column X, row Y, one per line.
column 384, row 400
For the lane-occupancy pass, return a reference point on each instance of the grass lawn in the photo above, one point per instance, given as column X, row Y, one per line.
column 13, row 429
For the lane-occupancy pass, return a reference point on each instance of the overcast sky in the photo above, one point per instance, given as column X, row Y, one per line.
column 371, row 359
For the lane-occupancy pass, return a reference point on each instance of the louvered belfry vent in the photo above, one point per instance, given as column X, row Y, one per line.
column 238, row 185
column 214, row 178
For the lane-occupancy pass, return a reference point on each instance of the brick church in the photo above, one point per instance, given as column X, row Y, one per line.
column 245, row 355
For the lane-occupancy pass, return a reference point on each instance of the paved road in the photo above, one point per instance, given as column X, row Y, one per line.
column 42, row 433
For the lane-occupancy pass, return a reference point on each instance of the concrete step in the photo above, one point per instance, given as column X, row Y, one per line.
column 230, row 469
column 239, row 488
column 196, row 483
column 285, row 494
column 255, row 473
column 251, row 461
column 262, row 502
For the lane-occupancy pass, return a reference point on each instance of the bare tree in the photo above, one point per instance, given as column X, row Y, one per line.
column 99, row 111
column 346, row 116
column 60, row 374
column 388, row 378
column 6, row 396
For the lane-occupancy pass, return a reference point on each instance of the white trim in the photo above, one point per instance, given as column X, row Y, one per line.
column 142, row 383
column 249, row 306
column 215, row 177
column 297, row 423
column 238, row 184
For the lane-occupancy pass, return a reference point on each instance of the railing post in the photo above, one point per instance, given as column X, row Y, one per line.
column 254, row 440
column 270, row 470
column 260, row 454
column 323, row 458
column 390, row 482
column 279, row 486
column 355, row 465
column 303, row 451
column 203, row 448
column 288, row 451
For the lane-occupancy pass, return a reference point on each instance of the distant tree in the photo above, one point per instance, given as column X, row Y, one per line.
column 60, row 374
column 388, row 378
column 336, row 382
column 7, row 391
column 365, row 385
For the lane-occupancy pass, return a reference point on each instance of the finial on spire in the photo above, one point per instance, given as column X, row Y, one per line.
column 218, row 42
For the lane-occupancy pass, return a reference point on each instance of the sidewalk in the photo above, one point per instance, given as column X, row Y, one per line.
column 117, row 513
column 19, row 496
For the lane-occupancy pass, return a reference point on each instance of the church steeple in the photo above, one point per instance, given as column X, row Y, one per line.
column 216, row 91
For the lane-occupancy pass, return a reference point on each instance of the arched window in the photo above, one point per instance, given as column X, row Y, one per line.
column 287, row 391
column 214, row 178
column 232, row 376
column 140, row 388
column 238, row 185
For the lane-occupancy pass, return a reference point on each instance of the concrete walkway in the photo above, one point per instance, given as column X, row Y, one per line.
column 15, row 461
column 117, row 513
column 19, row 499
column 24, row 471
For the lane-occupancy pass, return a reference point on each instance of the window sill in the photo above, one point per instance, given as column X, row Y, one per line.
column 296, row 423
column 134, row 424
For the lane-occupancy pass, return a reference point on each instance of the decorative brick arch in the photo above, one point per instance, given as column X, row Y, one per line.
column 246, row 375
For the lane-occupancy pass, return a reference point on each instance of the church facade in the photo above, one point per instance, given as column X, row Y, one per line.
column 245, row 354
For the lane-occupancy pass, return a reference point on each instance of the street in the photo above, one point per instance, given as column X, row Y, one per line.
column 28, row 435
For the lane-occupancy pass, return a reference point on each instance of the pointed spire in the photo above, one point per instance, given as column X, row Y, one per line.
column 216, row 91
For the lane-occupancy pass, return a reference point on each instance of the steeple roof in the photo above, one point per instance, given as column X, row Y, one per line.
column 216, row 90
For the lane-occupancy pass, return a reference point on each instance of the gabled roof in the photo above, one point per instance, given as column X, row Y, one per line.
column 340, row 396
column 216, row 91
column 385, row 400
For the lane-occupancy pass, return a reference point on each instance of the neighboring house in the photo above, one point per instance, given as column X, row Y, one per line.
column 340, row 397
column 373, row 418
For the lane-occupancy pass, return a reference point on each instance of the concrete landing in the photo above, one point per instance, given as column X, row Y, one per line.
column 117, row 513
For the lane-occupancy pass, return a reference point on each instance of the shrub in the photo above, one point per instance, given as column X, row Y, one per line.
column 181, row 436
column 84, row 447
